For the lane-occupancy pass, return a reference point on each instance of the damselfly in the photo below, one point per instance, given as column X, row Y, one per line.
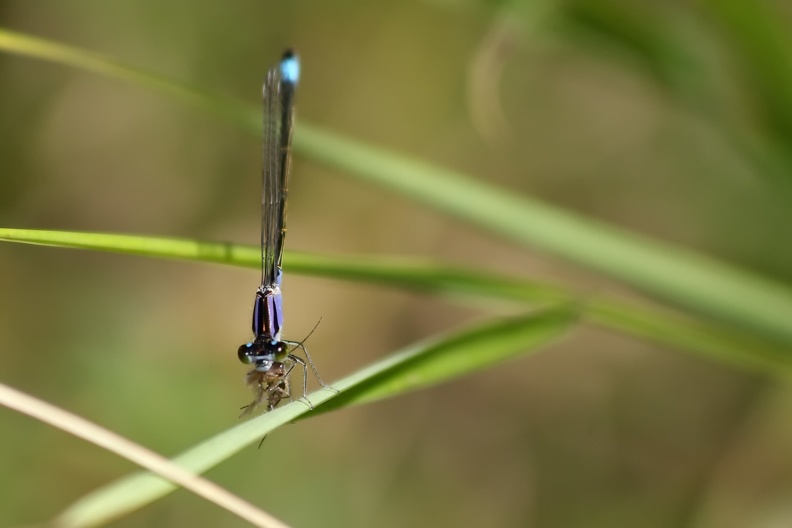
column 272, row 356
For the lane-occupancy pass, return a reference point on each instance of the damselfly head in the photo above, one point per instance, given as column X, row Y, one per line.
column 262, row 352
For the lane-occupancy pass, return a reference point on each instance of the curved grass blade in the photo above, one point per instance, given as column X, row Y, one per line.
column 711, row 340
column 82, row 428
column 673, row 274
column 714, row 341
column 465, row 352
column 30, row 46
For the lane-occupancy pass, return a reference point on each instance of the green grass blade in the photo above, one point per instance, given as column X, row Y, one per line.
column 714, row 341
column 29, row 46
column 423, row 276
column 679, row 276
column 711, row 340
column 177, row 248
column 465, row 352
column 670, row 273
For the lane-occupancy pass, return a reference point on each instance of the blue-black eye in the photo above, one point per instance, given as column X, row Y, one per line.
column 246, row 353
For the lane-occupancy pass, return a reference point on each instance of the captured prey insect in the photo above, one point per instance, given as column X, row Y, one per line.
column 272, row 356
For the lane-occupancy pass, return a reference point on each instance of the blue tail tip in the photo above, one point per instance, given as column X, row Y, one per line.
column 290, row 67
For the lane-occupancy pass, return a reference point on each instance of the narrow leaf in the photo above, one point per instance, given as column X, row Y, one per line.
column 434, row 360
column 682, row 277
column 715, row 341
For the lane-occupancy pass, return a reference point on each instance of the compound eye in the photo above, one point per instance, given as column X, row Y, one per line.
column 277, row 349
column 246, row 353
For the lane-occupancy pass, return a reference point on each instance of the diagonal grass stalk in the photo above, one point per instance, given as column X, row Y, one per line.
column 421, row 365
column 676, row 275
column 709, row 339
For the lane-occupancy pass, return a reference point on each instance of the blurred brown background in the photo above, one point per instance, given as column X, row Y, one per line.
column 600, row 431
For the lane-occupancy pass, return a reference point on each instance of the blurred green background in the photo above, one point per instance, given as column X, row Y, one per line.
column 672, row 118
